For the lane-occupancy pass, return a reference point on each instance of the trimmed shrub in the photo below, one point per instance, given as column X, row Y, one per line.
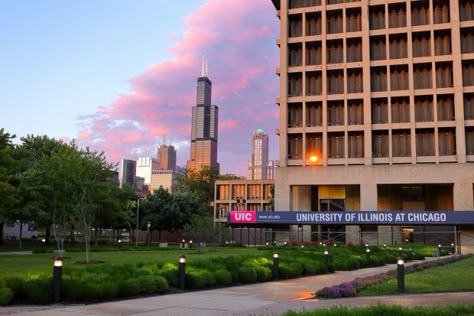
column 129, row 287
column 38, row 289
column 6, row 295
column 223, row 277
column 209, row 278
column 72, row 289
column 170, row 274
column 15, row 283
column 247, row 274
column 263, row 274
column 296, row 269
column 195, row 280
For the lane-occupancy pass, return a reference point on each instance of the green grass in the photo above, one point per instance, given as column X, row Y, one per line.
column 452, row 277
column 453, row 310
column 43, row 262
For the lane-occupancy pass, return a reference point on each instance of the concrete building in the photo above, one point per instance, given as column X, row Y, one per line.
column 376, row 113
column 145, row 166
column 204, row 126
column 260, row 167
column 163, row 178
column 127, row 172
column 166, row 155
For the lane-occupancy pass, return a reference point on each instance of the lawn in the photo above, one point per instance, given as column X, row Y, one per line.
column 452, row 277
column 43, row 262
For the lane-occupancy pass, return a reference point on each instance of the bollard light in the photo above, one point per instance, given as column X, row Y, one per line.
column 400, row 252
column 43, row 240
column 439, row 250
column 367, row 253
column 57, row 278
column 267, row 244
column 302, row 246
column 182, row 271
column 326, row 261
column 285, row 243
column 401, row 275
column 276, row 261
column 119, row 241
column 366, row 245
column 384, row 246
column 190, row 243
column 182, row 243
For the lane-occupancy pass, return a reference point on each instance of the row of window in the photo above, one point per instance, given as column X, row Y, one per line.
column 399, row 109
column 425, row 143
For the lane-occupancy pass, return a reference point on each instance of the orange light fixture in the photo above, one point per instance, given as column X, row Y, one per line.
column 313, row 158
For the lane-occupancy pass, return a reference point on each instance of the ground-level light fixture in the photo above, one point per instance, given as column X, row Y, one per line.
column 276, row 261
column 326, row 261
column 401, row 275
column 182, row 271
column 57, row 278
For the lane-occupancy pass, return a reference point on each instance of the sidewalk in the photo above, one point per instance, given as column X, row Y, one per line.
column 271, row 298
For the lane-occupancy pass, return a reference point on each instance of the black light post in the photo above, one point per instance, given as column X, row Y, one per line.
column 148, row 226
column 400, row 252
column 453, row 249
column 276, row 261
column 182, row 243
column 367, row 253
column 384, row 246
column 326, row 261
column 439, row 250
column 57, row 278
column 401, row 275
column 182, row 271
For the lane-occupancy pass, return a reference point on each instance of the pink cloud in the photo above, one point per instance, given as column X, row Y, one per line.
column 238, row 39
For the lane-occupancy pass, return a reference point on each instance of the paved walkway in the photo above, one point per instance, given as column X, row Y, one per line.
column 271, row 298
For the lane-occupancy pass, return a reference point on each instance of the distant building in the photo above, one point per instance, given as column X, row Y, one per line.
column 145, row 166
column 204, row 126
column 260, row 167
column 127, row 172
column 166, row 155
column 163, row 178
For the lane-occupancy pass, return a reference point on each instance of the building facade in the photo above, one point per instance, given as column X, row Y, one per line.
column 258, row 163
column 377, row 113
column 145, row 167
column 163, row 178
column 127, row 172
column 166, row 155
column 204, row 126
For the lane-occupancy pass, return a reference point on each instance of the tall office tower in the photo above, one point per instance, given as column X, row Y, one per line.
column 376, row 112
column 126, row 172
column 204, row 126
column 166, row 155
column 145, row 168
column 258, row 164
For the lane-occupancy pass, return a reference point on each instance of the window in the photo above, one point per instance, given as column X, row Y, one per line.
column 335, row 52
column 380, row 144
column 400, row 110
column 313, row 53
column 313, row 24
column 399, row 77
column 295, row 115
column 469, row 106
column 378, row 78
column 445, row 107
column 466, row 10
column 441, row 12
column 354, row 50
column 353, row 20
column 314, row 114
column 470, row 141
column 379, row 111
column 443, row 42
column 335, row 113
column 294, row 85
column 420, row 13
column 314, row 143
column 398, row 46
column 422, row 76
column 335, row 82
column 397, row 15
column 314, row 83
column 356, row 145
column 468, row 73
column 334, row 21
column 295, row 146
column 421, row 44
column 425, row 142
column 295, row 25
column 377, row 48
column 294, row 4
column 401, row 143
column 355, row 112
column 377, row 17
column 354, row 80
column 444, row 75
column 447, row 141
column 336, row 145
column 424, row 108
column 295, row 55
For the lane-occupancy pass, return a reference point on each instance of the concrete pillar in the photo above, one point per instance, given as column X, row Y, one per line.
column 463, row 200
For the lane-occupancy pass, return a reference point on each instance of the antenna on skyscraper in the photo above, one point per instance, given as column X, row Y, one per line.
column 204, row 67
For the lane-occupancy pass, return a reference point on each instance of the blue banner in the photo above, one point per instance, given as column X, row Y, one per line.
column 353, row 218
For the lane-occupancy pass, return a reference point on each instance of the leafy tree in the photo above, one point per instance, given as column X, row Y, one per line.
column 7, row 199
column 201, row 228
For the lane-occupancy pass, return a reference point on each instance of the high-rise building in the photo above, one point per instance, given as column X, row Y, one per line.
column 127, row 172
column 259, row 165
column 166, row 155
column 376, row 112
column 204, row 126
column 145, row 167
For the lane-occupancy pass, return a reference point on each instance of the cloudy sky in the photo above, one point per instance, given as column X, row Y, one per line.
column 120, row 75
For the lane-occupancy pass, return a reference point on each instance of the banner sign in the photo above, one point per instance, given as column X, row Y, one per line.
column 353, row 218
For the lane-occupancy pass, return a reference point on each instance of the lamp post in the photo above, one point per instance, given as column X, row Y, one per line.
column 326, row 261
column 400, row 252
column 148, row 237
column 401, row 275
column 439, row 250
column 57, row 278
column 276, row 261
column 367, row 253
column 138, row 211
column 182, row 271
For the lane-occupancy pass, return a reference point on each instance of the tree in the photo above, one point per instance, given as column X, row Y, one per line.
column 202, row 228
column 7, row 198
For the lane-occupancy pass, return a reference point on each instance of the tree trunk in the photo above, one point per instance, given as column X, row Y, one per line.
column 21, row 234
column 1, row 233
column 47, row 239
column 96, row 233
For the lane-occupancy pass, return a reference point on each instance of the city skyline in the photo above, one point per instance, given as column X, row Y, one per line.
column 71, row 71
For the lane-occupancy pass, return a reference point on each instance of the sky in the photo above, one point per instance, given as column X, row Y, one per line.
column 120, row 76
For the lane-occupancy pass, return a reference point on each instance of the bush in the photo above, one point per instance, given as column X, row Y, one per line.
column 263, row 274
column 247, row 274
column 223, row 277
column 129, row 287
column 38, row 289
column 170, row 274
column 15, row 283
column 195, row 280
column 6, row 295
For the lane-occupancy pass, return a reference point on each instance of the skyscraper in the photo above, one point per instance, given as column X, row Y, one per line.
column 204, row 126
column 127, row 172
column 258, row 166
column 166, row 155
column 376, row 112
